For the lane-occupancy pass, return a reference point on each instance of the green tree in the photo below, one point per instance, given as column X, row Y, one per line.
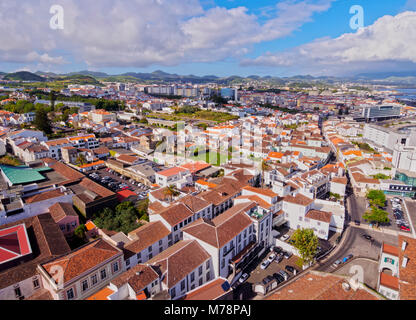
column 376, row 215
column 42, row 121
column 376, row 198
column 81, row 160
column 307, row 243
column 80, row 231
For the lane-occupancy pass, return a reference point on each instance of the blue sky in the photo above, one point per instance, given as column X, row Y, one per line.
column 221, row 37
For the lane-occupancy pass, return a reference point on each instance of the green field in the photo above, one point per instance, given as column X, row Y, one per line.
column 214, row 158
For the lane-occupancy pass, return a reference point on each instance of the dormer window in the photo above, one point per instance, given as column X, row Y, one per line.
column 404, row 244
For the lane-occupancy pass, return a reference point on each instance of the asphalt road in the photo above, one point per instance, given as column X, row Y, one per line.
column 355, row 244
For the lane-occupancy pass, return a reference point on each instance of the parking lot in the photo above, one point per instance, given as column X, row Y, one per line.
column 403, row 215
column 116, row 182
column 257, row 274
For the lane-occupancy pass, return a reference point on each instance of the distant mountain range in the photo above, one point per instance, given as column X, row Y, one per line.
column 91, row 77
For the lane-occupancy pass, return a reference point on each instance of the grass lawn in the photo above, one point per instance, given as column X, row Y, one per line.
column 214, row 158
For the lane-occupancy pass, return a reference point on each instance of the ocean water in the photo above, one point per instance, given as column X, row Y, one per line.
column 407, row 94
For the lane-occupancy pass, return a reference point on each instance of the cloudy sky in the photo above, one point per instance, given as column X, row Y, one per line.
column 204, row 37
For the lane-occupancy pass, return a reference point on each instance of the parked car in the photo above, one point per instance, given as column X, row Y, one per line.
column 287, row 254
column 291, row 269
column 284, row 237
column 272, row 257
column 404, row 228
column 279, row 278
column 265, row 264
column 337, row 263
column 284, row 274
column 267, row 280
column 243, row 278
column 357, row 222
column 279, row 258
column 347, row 258
column 277, row 250
column 367, row 237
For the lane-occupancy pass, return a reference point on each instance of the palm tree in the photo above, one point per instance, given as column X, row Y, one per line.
column 81, row 160
column 170, row 192
column 264, row 167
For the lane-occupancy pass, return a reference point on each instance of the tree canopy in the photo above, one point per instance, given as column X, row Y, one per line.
column 376, row 215
column 376, row 198
column 42, row 121
column 123, row 218
column 306, row 242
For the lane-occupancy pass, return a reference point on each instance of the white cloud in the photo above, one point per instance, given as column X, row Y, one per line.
column 389, row 43
column 139, row 33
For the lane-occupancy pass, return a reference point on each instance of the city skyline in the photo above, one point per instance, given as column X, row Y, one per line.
column 223, row 38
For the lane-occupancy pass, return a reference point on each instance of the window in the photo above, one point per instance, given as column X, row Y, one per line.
column 208, row 276
column 150, row 256
column 17, row 292
column 127, row 262
column 139, row 255
column 239, row 237
column 35, row 283
column 84, row 285
column 200, row 281
column 170, row 236
column 183, row 285
column 115, row 266
column 70, row 294
column 207, row 265
column 160, row 249
column 300, row 218
column 222, row 263
column 103, row 274
column 173, row 293
column 200, row 270
column 150, row 248
column 319, row 223
column 94, row 279
column 62, row 226
column 192, row 277
column 160, row 242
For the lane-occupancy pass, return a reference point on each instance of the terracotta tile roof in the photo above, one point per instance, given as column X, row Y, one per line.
column 45, row 238
column 194, row 203
column 299, row 199
column 390, row 249
column 209, row 291
column 179, row 260
column 83, row 259
column 138, row 278
column 264, row 192
column 45, row 196
column 319, row 215
column 389, row 281
column 176, row 213
column 258, row 200
column 65, row 170
column 196, row 166
column 127, row 159
column 145, row 236
column 341, row 180
column 61, row 210
column 96, row 188
column 222, row 229
column 171, row 171
column 314, row 285
column 101, row 295
column 407, row 274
